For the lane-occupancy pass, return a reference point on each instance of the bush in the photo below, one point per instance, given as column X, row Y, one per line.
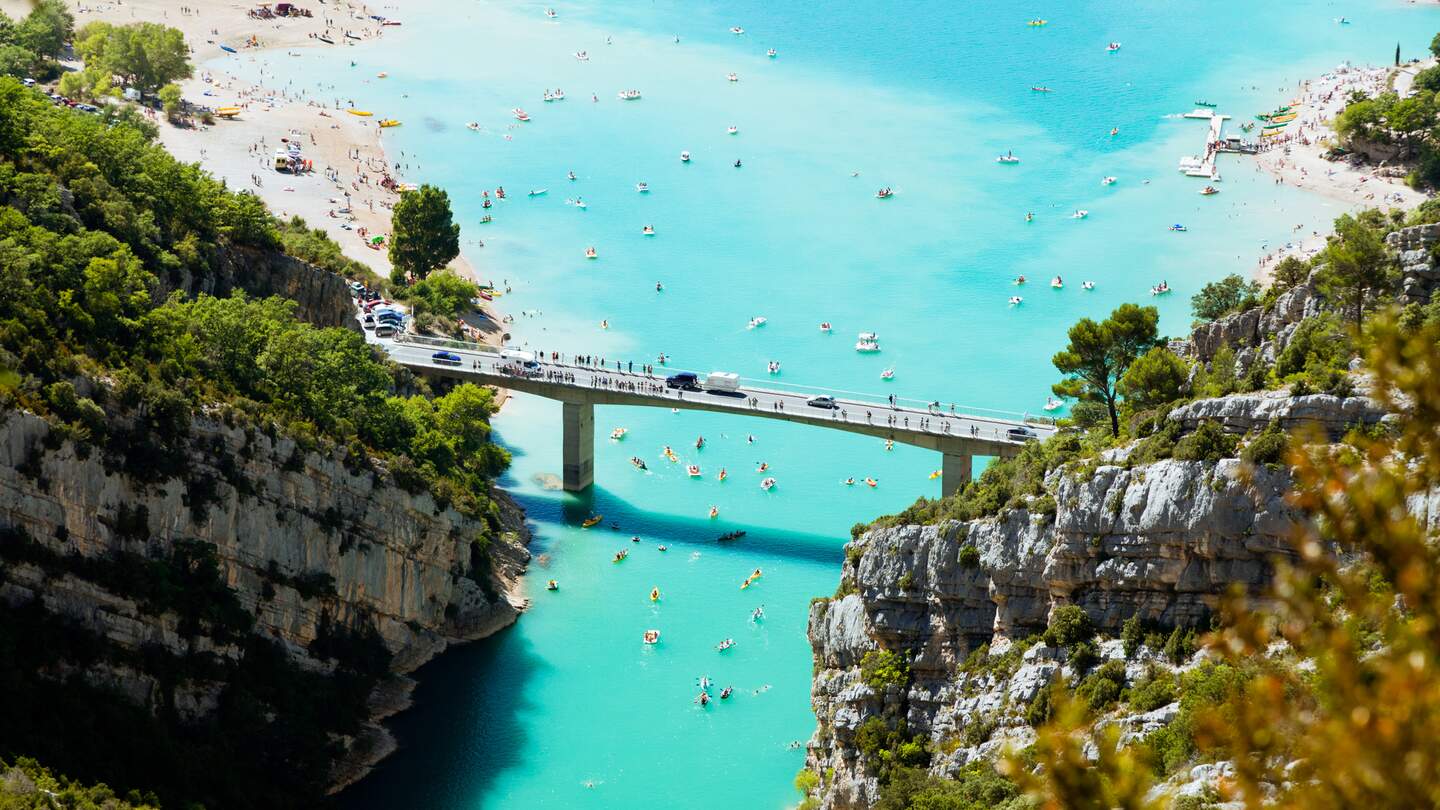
column 1041, row 707
column 976, row 787
column 1102, row 688
column 1069, row 625
column 1269, row 448
column 1210, row 443
column 1180, row 646
column 1082, row 656
column 882, row 668
column 969, row 557
column 1218, row 298
column 1151, row 692
column 1132, row 634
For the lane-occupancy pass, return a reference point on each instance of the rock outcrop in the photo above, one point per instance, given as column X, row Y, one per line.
column 1419, row 275
column 1162, row 541
column 306, row 541
column 1257, row 334
column 322, row 296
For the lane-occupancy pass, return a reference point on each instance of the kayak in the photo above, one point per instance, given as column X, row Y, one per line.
column 361, row 113
column 591, row 521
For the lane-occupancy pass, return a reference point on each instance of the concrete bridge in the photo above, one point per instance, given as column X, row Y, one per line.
column 958, row 437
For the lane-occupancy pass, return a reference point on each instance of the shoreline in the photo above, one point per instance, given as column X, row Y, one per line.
column 343, row 194
column 1297, row 158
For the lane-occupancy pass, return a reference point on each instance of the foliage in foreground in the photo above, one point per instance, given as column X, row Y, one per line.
column 27, row 785
column 1362, row 729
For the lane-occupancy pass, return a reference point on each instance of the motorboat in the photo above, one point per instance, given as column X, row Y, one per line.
column 520, row 115
column 648, row 230
column 642, row 187
column 652, row 636
column 1007, row 158
column 1016, row 300
column 771, row 53
column 1108, row 181
column 1052, row 404
column 867, row 346
column 618, row 433
column 725, row 645
column 733, row 130
column 552, row 585
column 1019, row 280
column 550, row 12
column 1179, row 228
column 591, row 253
column 768, row 484
column 684, row 157
column 628, row 95
column 887, row 374
column 583, row 56
column 1057, row 283
column 736, row 30
column 693, row 470
column 1087, row 285
column 1160, row 289
column 756, row 322
column 884, row 194
column 774, row 366
column 1080, row 214
column 1209, row 190
column 733, row 77
column 825, row 327
column 1112, row 47
column 871, row 482
column 473, row 126
column 591, row 521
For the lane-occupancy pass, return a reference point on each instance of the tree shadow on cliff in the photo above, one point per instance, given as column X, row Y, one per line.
column 463, row 731
column 546, row 511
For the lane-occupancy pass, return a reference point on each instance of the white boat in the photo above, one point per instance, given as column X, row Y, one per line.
column 887, row 374
column 693, row 470
column 536, row 192
column 1080, row 214
column 1160, row 289
column 1053, row 404
column 767, row 484
column 618, row 433
column 1087, row 285
column 1208, row 191
column 1016, row 300
column 1056, row 283
column 642, row 187
column 1177, row 227
column 773, row 367
column 825, row 327
column 1008, row 158
column 1108, row 181
column 867, row 346
column 520, row 115
column 733, row 77
column 628, row 95
column 550, row 12
column 737, row 30
column 583, row 56
column 684, row 157
column 1112, row 47
column 771, row 53
column 733, row 130
column 757, row 321
column 473, row 125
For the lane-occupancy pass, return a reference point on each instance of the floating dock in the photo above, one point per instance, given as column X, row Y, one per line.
column 1214, row 143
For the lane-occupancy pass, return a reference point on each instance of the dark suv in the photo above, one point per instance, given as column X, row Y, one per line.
column 684, row 380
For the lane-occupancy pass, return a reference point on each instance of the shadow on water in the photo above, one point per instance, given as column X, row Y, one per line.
column 471, row 696
column 624, row 519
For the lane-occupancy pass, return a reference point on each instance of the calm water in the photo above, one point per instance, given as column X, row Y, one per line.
column 570, row 709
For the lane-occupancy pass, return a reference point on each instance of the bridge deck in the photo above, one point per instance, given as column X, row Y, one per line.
column 932, row 428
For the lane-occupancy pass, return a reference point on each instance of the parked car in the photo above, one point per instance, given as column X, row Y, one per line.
column 822, row 402
column 1020, row 434
column 385, row 330
column 446, row 358
column 684, row 380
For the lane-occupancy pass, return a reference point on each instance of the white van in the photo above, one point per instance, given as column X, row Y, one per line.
column 723, row 381
column 524, row 358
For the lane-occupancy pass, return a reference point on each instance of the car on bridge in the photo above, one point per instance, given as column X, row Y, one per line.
column 684, row 380
column 827, row 403
column 1020, row 434
column 446, row 358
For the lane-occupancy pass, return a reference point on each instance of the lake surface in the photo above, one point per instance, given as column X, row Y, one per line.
column 569, row 708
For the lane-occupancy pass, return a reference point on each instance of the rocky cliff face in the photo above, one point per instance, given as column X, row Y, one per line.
column 1257, row 334
column 323, row 296
column 1419, row 275
column 307, row 542
column 1162, row 541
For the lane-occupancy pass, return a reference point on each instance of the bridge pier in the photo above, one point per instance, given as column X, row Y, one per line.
column 578, row 445
column 955, row 472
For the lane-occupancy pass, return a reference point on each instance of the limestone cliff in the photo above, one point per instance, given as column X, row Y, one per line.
column 311, row 545
column 1162, row 541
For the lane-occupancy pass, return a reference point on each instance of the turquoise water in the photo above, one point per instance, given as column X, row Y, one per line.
column 569, row 708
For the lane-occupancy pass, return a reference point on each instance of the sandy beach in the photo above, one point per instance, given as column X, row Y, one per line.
column 343, row 193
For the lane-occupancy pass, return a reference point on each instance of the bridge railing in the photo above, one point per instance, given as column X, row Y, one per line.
column 763, row 384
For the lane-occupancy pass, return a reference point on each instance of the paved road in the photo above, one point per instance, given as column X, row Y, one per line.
column 939, row 423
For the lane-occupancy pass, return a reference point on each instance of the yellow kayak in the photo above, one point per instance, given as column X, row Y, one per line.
column 591, row 521
column 389, row 122
column 1283, row 119
column 228, row 111
column 361, row 113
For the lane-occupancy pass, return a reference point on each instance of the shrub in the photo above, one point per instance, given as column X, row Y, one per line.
column 1180, row 646
column 1102, row 688
column 969, row 557
column 1131, row 635
column 1069, row 624
column 1083, row 655
column 1151, row 692
column 1269, row 448
column 882, row 668
column 1041, row 707
column 1210, row 443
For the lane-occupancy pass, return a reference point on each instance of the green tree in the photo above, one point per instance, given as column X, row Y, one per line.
column 16, row 61
column 1156, row 378
column 1099, row 354
column 171, row 98
column 1355, row 265
column 424, row 235
column 1435, row 46
column 1221, row 297
column 1289, row 272
column 443, row 293
column 144, row 55
column 1411, row 117
column 46, row 29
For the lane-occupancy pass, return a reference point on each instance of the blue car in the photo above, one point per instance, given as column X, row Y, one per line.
column 446, row 358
